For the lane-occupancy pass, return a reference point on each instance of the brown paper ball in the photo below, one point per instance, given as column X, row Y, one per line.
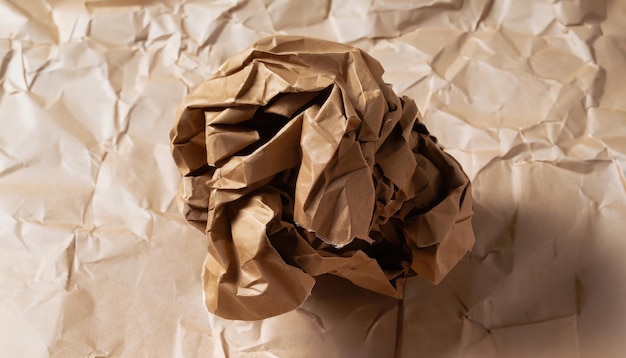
column 297, row 161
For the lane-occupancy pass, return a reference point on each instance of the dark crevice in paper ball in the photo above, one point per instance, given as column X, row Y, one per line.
column 299, row 161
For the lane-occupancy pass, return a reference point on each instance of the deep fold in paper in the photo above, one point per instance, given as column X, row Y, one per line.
column 298, row 161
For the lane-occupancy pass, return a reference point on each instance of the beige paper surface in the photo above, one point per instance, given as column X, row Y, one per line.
column 96, row 259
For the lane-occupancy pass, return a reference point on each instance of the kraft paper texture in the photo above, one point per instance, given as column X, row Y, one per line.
column 97, row 260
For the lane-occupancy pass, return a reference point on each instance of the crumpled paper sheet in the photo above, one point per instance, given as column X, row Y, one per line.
column 297, row 160
column 96, row 260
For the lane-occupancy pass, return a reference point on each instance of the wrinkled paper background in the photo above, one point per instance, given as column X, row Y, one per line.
column 97, row 261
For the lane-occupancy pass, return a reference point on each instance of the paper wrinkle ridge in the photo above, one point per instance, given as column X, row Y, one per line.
column 298, row 160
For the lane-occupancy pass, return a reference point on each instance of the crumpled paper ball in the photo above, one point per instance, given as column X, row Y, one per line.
column 297, row 160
